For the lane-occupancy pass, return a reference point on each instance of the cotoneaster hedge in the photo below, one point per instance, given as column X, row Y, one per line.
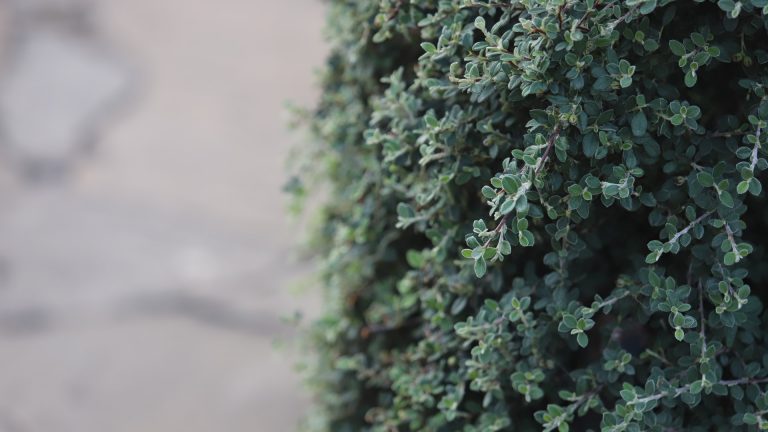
column 543, row 215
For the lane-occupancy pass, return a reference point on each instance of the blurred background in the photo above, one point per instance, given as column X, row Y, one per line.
column 146, row 257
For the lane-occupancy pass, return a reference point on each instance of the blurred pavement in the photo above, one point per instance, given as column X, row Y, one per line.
column 146, row 260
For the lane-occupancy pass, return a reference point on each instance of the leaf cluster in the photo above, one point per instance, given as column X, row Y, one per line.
column 543, row 215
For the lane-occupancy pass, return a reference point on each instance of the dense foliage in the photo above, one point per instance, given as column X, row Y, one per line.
column 544, row 215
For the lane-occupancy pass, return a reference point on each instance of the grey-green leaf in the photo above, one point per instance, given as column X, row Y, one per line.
column 639, row 124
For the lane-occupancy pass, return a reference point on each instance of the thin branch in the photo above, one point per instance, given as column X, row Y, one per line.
column 502, row 224
column 539, row 165
column 550, row 143
column 393, row 13
column 703, row 332
column 611, row 301
column 726, row 279
column 690, row 226
column 622, row 18
column 755, row 149
column 731, row 383
column 589, row 12
column 732, row 240
column 680, row 390
column 585, row 397
column 560, row 16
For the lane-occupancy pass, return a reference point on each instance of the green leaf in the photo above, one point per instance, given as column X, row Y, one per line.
column 654, row 279
column 678, row 319
column 698, row 39
column 652, row 257
column 742, row 187
column 569, row 320
column 429, row 47
column 696, row 387
column 655, row 245
column 647, row 7
column 639, row 124
column 478, row 252
column 589, row 145
column 705, row 179
column 677, row 48
column 650, row 45
column 405, row 211
column 507, row 206
column 509, row 184
column 610, row 189
column 749, row 418
column 489, row 253
column 491, row 304
column 726, row 199
column 415, row 258
column 690, row 78
column 505, row 247
column 625, row 81
column 480, row 267
column 628, row 394
column 479, row 226
column 726, row 5
column 624, row 67
column 526, row 238
column 582, row 339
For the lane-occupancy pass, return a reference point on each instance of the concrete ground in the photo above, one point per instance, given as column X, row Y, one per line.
column 146, row 258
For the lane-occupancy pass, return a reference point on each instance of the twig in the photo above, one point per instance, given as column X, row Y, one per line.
column 755, row 149
column 726, row 279
column 703, row 332
column 732, row 240
column 550, row 143
column 502, row 224
column 685, row 230
column 622, row 18
column 396, row 10
column 731, row 383
column 589, row 12
column 586, row 397
column 560, row 16
column 680, row 390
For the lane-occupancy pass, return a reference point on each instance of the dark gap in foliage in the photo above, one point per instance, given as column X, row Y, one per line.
column 756, row 232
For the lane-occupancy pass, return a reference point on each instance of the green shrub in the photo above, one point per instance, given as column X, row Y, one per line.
column 544, row 215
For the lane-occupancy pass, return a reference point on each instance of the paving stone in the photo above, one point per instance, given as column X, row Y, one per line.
column 145, row 288
column 55, row 96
